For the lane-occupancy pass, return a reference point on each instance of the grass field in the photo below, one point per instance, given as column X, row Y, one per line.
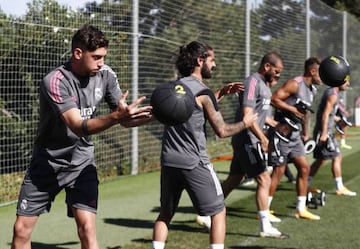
column 129, row 206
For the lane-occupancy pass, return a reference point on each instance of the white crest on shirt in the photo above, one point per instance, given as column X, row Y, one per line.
column 98, row 93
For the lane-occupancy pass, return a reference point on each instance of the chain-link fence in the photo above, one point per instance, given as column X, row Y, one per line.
column 145, row 36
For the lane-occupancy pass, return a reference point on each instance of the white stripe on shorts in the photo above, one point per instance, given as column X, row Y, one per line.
column 215, row 179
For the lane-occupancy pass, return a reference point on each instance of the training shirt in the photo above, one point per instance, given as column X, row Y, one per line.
column 328, row 92
column 256, row 95
column 305, row 93
column 184, row 145
column 55, row 144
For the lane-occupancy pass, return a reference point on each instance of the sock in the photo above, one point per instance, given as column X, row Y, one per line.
column 270, row 200
column 342, row 141
column 301, row 203
column 310, row 178
column 217, row 246
column 264, row 218
column 339, row 183
column 158, row 245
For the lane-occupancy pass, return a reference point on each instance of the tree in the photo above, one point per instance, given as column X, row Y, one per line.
column 351, row 6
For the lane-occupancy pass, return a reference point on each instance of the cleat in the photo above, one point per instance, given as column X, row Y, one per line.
column 345, row 191
column 248, row 182
column 314, row 190
column 306, row 215
column 204, row 221
column 346, row 146
column 272, row 232
column 273, row 218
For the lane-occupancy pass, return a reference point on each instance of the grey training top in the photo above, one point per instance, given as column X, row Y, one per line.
column 184, row 145
column 56, row 145
column 305, row 93
column 256, row 95
column 328, row 92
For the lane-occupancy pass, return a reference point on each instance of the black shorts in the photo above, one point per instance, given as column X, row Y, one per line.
column 202, row 185
column 40, row 188
column 246, row 158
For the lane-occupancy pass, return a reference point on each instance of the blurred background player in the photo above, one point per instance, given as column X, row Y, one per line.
column 185, row 164
column 341, row 122
column 327, row 147
column 292, row 101
column 250, row 145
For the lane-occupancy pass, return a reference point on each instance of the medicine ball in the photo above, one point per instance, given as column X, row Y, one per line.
column 334, row 70
column 173, row 103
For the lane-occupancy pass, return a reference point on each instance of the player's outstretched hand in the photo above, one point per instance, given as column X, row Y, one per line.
column 231, row 88
column 131, row 115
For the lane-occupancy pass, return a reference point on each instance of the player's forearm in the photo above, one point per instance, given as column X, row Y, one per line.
column 96, row 125
column 324, row 125
column 230, row 129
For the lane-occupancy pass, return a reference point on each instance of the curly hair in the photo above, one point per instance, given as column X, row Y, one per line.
column 188, row 55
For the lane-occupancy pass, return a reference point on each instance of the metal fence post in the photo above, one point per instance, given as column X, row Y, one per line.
column 135, row 79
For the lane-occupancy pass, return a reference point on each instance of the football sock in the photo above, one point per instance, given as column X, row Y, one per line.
column 339, row 183
column 301, row 203
column 217, row 246
column 158, row 245
column 270, row 200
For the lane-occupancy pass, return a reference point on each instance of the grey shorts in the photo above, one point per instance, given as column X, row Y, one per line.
column 202, row 185
column 246, row 158
column 40, row 188
column 281, row 152
column 327, row 151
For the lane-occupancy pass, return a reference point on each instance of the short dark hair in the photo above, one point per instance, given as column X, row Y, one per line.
column 188, row 55
column 272, row 57
column 310, row 62
column 89, row 38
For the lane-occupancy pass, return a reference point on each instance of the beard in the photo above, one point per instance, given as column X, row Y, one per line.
column 206, row 72
column 269, row 78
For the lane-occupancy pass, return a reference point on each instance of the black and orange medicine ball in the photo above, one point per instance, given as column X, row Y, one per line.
column 334, row 70
column 173, row 103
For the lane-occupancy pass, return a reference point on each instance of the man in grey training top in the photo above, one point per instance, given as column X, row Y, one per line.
column 63, row 153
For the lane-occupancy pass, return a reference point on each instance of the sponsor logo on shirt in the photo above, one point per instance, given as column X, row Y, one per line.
column 266, row 104
column 87, row 113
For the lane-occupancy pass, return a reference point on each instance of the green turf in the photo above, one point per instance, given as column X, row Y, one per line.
column 128, row 207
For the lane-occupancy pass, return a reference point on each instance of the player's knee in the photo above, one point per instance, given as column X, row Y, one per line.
column 304, row 171
column 264, row 180
column 278, row 172
column 86, row 231
column 21, row 232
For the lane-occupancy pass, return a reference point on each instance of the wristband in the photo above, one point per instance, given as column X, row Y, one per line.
column 84, row 127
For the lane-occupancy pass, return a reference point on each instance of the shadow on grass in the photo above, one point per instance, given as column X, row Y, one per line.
column 240, row 212
column 64, row 245
column 188, row 225
column 247, row 247
column 135, row 223
column 182, row 209
column 259, row 247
